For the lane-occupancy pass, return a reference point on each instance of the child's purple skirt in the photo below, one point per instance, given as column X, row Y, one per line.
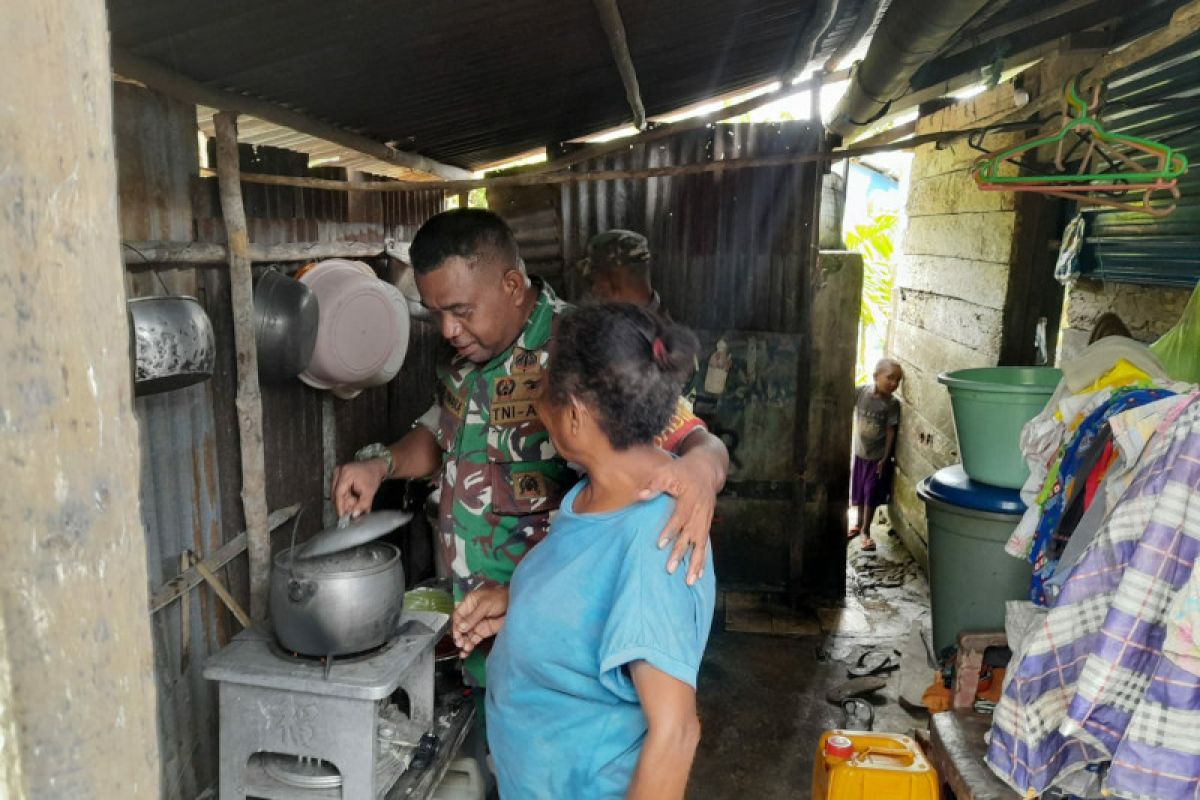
column 866, row 487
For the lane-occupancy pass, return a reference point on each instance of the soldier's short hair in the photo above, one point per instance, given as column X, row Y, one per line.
column 462, row 232
column 625, row 363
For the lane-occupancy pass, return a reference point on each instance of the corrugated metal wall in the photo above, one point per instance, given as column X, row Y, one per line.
column 733, row 251
column 1156, row 98
column 190, row 470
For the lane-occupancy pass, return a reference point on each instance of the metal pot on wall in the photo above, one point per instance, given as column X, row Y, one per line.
column 173, row 343
column 286, row 315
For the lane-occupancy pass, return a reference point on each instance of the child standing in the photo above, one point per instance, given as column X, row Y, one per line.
column 876, row 420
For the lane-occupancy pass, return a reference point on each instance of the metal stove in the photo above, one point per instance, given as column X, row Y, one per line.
column 294, row 728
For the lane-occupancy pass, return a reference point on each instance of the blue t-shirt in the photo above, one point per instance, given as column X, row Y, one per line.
column 563, row 717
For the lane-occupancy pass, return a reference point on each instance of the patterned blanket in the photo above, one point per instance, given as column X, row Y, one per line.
column 1093, row 701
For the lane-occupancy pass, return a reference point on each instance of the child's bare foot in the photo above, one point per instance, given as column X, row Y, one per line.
column 868, row 544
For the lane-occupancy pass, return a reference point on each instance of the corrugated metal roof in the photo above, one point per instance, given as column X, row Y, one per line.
column 472, row 84
column 320, row 152
column 1155, row 98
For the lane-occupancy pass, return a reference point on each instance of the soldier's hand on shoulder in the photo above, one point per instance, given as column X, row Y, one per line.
column 695, row 503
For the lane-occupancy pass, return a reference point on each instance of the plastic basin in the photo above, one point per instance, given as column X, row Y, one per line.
column 991, row 405
column 970, row 574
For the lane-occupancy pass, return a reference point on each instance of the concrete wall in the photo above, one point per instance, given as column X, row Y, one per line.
column 76, row 674
column 1149, row 311
column 975, row 274
column 950, row 293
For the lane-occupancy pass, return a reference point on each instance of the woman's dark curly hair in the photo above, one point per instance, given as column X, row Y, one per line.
column 625, row 363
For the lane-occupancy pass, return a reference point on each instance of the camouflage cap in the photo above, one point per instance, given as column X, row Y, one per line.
column 615, row 248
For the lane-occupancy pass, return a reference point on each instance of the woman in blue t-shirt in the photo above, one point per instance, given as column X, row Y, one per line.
column 592, row 681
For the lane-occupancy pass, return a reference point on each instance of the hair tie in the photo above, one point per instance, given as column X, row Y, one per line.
column 659, row 351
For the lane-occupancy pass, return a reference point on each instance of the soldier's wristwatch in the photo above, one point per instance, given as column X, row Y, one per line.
column 377, row 450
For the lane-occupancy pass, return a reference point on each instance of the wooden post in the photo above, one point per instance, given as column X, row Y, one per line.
column 614, row 29
column 77, row 678
column 249, row 399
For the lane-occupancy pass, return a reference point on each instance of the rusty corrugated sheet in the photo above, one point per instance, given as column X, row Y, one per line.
column 181, row 510
column 733, row 257
column 476, row 82
column 190, row 460
column 730, row 248
column 292, row 412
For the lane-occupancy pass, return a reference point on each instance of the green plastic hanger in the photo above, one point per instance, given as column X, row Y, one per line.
column 1171, row 164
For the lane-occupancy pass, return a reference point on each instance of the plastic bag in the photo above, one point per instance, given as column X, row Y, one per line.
column 1179, row 348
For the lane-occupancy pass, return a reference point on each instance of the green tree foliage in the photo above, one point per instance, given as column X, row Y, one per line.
column 873, row 240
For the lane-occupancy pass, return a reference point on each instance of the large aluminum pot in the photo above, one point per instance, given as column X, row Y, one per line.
column 173, row 345
column 340, row 603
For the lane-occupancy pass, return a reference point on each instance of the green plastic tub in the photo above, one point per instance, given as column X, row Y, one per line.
column 970, row 574
column 991, row 405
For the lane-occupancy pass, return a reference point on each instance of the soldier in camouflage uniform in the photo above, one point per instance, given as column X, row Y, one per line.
column 500, row 475
column 617, row 265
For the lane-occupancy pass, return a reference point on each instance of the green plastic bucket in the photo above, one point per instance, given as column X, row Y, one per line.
column 991, row 405
column 970, row 574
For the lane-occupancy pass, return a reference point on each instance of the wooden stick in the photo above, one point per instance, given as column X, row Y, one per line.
column 624, row 174
column 614, row 29
column 138, row 254
column 249, row 399
column 158, row 77
column 183, row 583
column 887, row 137
column 234, row 607
column 185, row 617
column 805, row 45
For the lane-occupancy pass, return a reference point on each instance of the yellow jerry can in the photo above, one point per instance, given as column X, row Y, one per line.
column 854, row 765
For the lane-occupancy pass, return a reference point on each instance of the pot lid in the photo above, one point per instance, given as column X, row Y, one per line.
column 366, row 528
column 953, row 487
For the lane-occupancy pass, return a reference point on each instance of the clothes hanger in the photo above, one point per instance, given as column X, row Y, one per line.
column 1169, row 164
column 1119, row 179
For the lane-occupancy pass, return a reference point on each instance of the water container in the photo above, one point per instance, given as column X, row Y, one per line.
column 970, row 574
column 463, row 781
column 853, row 765
column 991, row 405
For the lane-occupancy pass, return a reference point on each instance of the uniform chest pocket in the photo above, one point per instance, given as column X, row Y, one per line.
column 514, row 431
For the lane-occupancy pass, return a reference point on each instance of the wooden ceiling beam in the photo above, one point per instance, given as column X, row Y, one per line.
column 614, row 30
column 165, row 80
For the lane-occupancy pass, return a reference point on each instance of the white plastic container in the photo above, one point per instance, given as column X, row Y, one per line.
column 362, row 335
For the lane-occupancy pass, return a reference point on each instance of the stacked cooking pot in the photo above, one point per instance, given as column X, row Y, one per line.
column 336, row 326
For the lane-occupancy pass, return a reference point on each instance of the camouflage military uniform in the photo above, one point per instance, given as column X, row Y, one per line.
column 501, row 477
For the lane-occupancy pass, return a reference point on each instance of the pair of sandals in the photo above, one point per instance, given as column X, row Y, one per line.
column 868, row 546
